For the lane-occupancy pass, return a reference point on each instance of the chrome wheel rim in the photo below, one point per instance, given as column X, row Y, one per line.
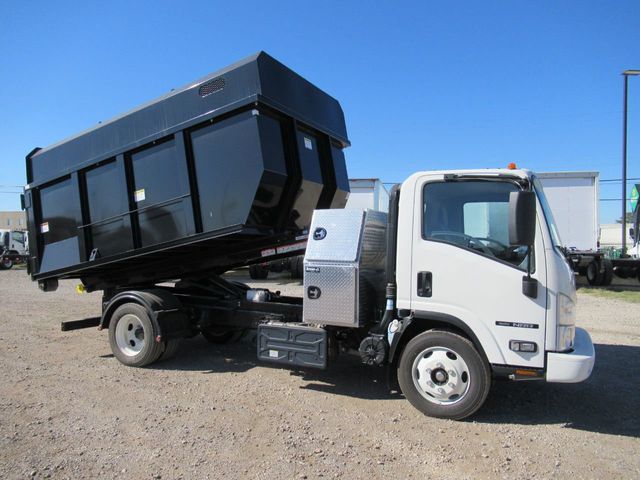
column 130, row 335
column 441, row 375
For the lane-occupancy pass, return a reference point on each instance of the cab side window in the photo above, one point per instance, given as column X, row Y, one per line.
column 474, row 215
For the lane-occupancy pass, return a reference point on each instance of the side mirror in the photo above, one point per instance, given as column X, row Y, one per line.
column 522, row 218
column 22, row 204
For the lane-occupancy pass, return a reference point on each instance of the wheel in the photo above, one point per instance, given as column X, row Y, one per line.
column 221, row 336
column 300, row 267
column 594, row 276
column 293, row 267
column 607, row 275
column 6, row 264
column 297, row 267
column 259, row 272
column 170, row 347
column 443, row 375
column 132, row 336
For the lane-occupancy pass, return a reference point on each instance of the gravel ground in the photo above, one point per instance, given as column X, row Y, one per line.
column 68, row 409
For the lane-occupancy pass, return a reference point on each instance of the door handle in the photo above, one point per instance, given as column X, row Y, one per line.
column 425, row 284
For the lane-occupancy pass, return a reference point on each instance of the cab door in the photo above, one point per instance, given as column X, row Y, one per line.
column 464, row 269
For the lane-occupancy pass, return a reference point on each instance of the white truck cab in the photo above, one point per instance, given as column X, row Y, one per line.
column 456, row 267
column 14, row 246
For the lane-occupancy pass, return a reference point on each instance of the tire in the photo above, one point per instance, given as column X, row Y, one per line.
column 221, row 336
column 594, row 275
column 170, row 347
column 607, row 275
column 458, row 381
column 300, row 268
column 258, row 272
column 7, row 264
column 132, row 336
column 297, row 267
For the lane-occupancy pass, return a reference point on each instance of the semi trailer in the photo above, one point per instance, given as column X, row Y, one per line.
column 460, row 281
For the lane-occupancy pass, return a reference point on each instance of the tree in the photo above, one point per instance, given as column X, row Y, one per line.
column 629, row 218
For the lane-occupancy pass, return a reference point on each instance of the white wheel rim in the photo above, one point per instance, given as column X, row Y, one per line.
column 130, row 335
column 7, row 262
column 441, row 375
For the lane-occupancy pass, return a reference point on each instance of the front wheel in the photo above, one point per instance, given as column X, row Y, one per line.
column 443, row 375
column 6, row 264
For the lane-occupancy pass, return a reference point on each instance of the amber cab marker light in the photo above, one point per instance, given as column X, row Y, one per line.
column 512, row 166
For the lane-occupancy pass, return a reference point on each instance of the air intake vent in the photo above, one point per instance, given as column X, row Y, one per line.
column 212, row 86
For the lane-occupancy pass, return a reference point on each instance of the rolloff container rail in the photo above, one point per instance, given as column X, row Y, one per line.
column 218, row 174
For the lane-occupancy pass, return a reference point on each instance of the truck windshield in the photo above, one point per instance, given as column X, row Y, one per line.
column 548, row 215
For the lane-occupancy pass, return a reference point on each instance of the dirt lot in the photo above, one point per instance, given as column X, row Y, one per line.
column 68, row 409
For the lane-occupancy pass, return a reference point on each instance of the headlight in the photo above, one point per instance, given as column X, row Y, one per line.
column 566, row 329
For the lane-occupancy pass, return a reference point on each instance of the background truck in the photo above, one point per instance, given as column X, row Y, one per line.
column 458, row 283
column 593, row 250
column 13, row 248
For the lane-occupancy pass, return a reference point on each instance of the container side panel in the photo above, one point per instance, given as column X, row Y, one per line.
column 58, row 227
column 312, row 184
column 342, row 179
column 229, row 166
column 160, row 186
column 266, row 205
column 110, row 229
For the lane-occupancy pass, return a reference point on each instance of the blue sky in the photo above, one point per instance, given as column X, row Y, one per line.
column 424, row 85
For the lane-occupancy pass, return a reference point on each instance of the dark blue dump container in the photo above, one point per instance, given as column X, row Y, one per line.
column 209, row 177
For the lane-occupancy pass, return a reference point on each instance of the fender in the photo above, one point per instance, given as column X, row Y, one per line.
column 165, row 310
column 414, row 325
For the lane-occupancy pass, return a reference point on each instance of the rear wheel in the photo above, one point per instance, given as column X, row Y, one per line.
column 222, row 336
column 594, row 275
column 132, row 336
column 607, row 275
column 443, row 375
column 297, row 267
column 170, row 347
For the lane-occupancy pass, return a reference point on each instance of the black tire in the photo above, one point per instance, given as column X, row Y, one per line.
column 607, row 275
column 6, row 264
column 221, row 336
column 169, row 349
column 297, row 267
column 594, row 275
column 141, row 336
column 472, row 374
column 259, row 272
column 300, row 267
column 293, row 267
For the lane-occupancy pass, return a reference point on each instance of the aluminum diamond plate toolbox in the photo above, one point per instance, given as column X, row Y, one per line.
column 344, row 267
